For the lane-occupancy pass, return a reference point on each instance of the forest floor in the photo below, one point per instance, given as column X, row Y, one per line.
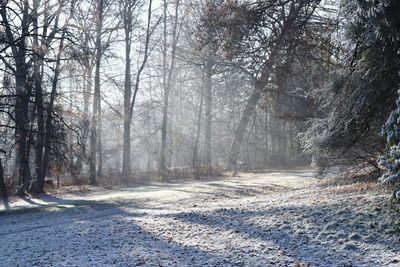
column 255, row 219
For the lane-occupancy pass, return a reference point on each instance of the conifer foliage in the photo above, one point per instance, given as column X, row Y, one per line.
column 384, row 18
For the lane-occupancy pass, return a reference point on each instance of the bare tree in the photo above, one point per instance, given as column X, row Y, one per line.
column 259, row 51
column 129, row 96
column 168, row 71
column 96, row 98
column 19, row 49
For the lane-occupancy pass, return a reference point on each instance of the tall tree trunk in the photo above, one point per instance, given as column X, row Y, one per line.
column 251, row 105
column 76, row 167
column 163, row 157
column 3, row 189
column 93, row 141
column 197, row 140
column 126, row 153
column 40, row 129
column 267, row 131
column 37, row 76
column 167, row 82
column 208, row 116
column 241, row 129
column 30, row 141
column 99, row 140
column 21, row 121
column 96, row 98
column 163, row 167
column 49, row 115
column 129, row 100
column 87, row 92
column 23, row 93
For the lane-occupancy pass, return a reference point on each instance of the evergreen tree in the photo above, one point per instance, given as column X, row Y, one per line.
column 384, row 19
column 362, row 92
column 391, row 160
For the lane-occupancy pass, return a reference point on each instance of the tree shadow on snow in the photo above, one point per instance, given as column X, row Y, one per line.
column 306, row 248
column 96, row 234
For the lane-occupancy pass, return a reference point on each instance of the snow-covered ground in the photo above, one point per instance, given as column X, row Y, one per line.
column 263, row 219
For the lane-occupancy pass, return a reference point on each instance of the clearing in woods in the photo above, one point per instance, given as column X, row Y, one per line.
column 285, row 218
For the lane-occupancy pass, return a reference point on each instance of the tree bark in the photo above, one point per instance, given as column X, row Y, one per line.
column 163, row 167
column 96, row 98
column 37, row 76
column 126, row 153
column 241, row 129
column 3, row 189
column 129, row 100
column 167, row 82
column 49, row 114
column 267, row 133
column 18, row 48
column 99, row 140
column 197, row 140
column 251, row 105
column 208, row 116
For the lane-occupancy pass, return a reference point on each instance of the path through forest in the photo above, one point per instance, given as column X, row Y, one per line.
column 257, row 219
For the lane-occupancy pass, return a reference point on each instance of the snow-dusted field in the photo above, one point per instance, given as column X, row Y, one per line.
column 270, row 219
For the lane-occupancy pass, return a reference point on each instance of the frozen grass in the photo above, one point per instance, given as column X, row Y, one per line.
column 263, row 219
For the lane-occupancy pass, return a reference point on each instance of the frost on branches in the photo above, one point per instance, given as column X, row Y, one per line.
column 391, row 161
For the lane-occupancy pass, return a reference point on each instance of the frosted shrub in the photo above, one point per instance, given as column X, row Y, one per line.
column 391, row 161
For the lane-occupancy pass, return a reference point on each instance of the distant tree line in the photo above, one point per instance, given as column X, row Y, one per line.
column 118, row 91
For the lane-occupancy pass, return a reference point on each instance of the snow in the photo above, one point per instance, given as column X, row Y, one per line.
column 257, row 219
